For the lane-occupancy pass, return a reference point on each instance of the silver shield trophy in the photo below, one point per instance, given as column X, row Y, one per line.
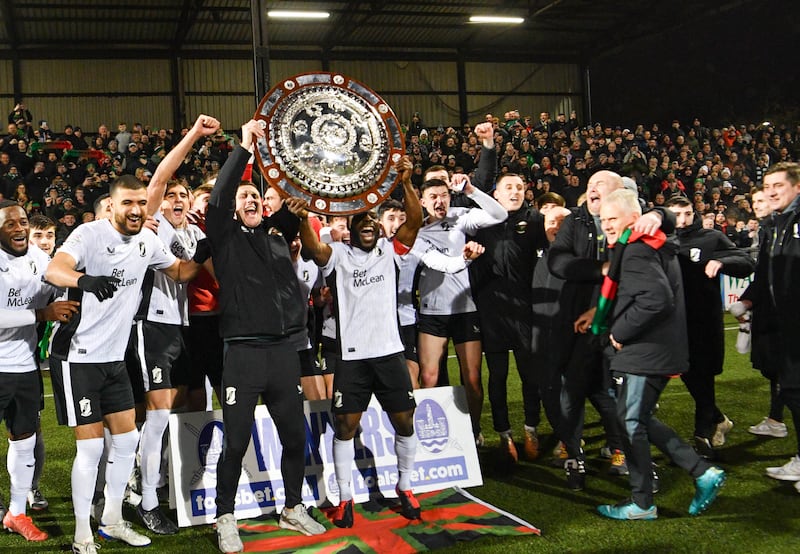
column 331, row 141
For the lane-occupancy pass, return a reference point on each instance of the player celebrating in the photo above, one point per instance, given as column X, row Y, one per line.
column 364, row 284
column 22, row 268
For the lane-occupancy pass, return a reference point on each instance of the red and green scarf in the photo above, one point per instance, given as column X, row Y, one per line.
column 608, row 291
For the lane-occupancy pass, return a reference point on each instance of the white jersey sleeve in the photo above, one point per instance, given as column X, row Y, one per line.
column 490, row 213
column 23, row 291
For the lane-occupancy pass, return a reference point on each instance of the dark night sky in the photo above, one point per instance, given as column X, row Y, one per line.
column 741, row 66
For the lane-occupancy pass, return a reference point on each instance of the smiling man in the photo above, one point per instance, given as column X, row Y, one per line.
column 363, row 280
column 776, row 283
column 22, row 267
column 646, row 326
column 502, row 277
column 262, row 314
column 103, row 264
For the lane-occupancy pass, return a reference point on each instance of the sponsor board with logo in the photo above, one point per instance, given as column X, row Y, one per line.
column 446, row 457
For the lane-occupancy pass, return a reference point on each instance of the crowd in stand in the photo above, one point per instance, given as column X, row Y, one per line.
column 60, row 174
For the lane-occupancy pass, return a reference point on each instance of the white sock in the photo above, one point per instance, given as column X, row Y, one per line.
column 343, row 454
column 150, row 447
column 84, row 475
column 406, row 449
column 118, row 471
column 20, row 464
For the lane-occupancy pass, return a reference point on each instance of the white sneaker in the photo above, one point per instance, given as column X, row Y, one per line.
column 228, row 534
column 123, row 531
column 797, row 486
column 787, row 472
column 85, row 547
column 769, row 428
column 297, row 519
column 723, row 428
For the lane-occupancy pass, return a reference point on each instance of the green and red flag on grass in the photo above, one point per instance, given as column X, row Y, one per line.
column 449, row 517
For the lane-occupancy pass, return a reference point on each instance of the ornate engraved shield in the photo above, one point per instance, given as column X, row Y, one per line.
column 331, row 141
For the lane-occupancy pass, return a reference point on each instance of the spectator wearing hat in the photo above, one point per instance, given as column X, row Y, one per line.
column 727, row 193
column 66, row 224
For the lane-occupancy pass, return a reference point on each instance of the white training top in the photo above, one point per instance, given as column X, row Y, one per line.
column 449, row 293
column 365, row 292
column 24, row 290
column 167, row 301
column 100, row 333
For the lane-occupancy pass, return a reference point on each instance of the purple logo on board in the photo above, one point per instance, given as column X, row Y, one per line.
column 430, row 424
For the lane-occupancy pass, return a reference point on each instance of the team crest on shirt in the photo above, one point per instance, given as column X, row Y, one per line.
column 521, row 227
column 431, row 426
column 230, row 396
column 158, row 375
column 142, row 249
column 110, row 249
column 694, row 254
column 85, row 406
column 306, row 276
column 34, row 269
column 337, row 399
column 796, row 233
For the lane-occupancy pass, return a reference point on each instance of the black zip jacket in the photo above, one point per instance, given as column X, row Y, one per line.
column 698, row 246
column 259, row 294
column 501, row 279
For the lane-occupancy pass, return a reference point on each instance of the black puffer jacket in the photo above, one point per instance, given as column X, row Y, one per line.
column 649, row 316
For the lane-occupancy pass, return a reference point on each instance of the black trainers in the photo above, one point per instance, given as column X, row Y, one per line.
column 576, row 474
column 344, row 514
column 155, row 520
column 703, row 447
column 409, row 505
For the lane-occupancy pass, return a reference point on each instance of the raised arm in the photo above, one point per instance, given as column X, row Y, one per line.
column 486, row 172
column 318, row 250
column 204, row 126
column 407, row 233
column 230, row 175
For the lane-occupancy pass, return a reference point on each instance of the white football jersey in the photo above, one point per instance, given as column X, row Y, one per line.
column 365, row 292
column 166, row 301
column 100, row 331
column 23, row 288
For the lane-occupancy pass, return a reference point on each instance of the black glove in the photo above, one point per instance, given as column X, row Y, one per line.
column 202, row 252
column 102, row 287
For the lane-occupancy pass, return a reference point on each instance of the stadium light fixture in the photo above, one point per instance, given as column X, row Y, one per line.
column 502, row 20
column 286, row 14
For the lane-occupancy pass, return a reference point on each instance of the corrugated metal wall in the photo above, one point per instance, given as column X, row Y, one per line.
column 90, row 92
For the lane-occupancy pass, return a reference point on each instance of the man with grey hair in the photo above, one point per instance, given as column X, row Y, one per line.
column 643, row 311
column 579, row 256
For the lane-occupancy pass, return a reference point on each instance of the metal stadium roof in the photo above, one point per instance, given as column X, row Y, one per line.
column 558, row 30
